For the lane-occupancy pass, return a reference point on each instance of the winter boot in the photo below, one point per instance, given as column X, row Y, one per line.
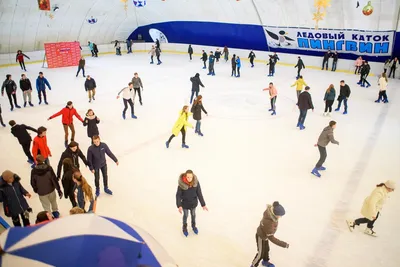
column 56, row 214
column 108, row 191
column 322, row 168
column 25, row 104
column 66, row 144
column 195, row 230
column 97, row 191
column 133, row 116
column 273, row 113
column 315, row 172
column 184, row 230
column 123, row 116
column 30, row 104
column 167, row 144
column 185, row 146
column 370, row 232
column 351, row 225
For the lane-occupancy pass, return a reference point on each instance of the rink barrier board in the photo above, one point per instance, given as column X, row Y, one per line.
column 183, row 53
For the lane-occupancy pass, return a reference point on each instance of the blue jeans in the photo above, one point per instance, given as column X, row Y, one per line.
column 192, row 214
column 344, row 99
column 198, row 124
column 194, row 92
column 302, row 116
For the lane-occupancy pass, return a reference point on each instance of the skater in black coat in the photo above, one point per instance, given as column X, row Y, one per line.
column 13, row 195
column 196, row 110
column 67, row 181
column 252, row 56
column 196, row 83
column 204, row 57
column 24, row 138
column 335, row 57
column 304, row 103
column 271, row 64
column 73, row 152
column 187, row 197
column 325, row 61
column 26, row 87
column 1, row 119
column 91, row 122
column 233, row 63
column 343, row 96
column 11, row 89
column 190, row 51
column 365, row 69
column 299, row 66
column 217, row 54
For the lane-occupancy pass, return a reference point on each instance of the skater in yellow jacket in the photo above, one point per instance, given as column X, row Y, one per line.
column 299, row 83
column 180, row 126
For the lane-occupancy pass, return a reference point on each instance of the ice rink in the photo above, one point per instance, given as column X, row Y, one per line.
column 246, row 159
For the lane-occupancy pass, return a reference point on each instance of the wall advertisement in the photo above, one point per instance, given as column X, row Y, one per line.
column 372, row 43
column 62, row 54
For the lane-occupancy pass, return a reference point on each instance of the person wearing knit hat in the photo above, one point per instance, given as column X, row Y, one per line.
column 265, row 232
column 372, row 206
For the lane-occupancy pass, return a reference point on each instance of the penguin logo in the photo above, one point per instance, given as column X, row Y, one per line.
column 280, row 39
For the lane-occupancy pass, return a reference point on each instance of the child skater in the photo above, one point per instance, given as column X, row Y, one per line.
column 271, row 64
column 383, row 82
column 266, row 231
column 372, row 207
column 91, row 122
column 187, row 196
column 152, row 52
column 20, row 58
column 299, row 83
column 180, row 126
column 84, row 192
column 196, row 110
column 67, row 181
column 273, row 94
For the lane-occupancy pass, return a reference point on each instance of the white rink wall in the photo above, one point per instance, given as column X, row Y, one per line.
column 7, row 60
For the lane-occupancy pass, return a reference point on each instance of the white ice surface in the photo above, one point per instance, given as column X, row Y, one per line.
column 245, row 160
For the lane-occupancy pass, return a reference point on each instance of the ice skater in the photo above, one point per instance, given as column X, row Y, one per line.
column 238, row 66
column 90, row 45
column 180, row 126
column 217, row 55
column 152, row 52
column 1, row 118
column 325, row 61
column 329, row 98
column 393, row 67
column 372, row 207
column 252, row 56
column 117, row 47
column 137, row 85
column 273, row 94
column 386, row 65
column 67, row 120
column 158, row 54
column 41, row 83
column 20, row 58
column 343, row 96
column 90, row 88
column 324, row 139
column 196, row 110
column 83, row 192
column 81, row 66
column 358, row 64
column 91, row 121
column 383, row 82
column 299, row 83
column 225, row 53
column 204, row 58
column 11, row 89
column 67, row 181
column 196, row 83
column 300, row 65
column 304, row 103
column 24, row 138
column 127, row 96
column 271, row 64
column 335, row 57
column 26, row 87
column 365, row 69
column 211, row 61
column 233, row 63
column 190, row 52
column 96, row 157
column 40, row 145
column 266, row 232
column 188, row 195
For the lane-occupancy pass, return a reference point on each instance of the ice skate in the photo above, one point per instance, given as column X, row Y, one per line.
column 370, row 232
column 322, row 168
column 40, row 102
column 133, row 116
column 184, row 230
column 2, row 124
column 200, row 133
column 267, row 264
column 351, row 225
column 97, row 191
column 30, row 104
column 108, row 191
column 56, row 214
column 345, row 112
column 273, row 113
column 66, row 144
column 46, row 102
column 25, row 104
column 12, row 108
column 195, row 230
column 30, row 161
column 167, row 144
column 17, row 106
column 316, row 173
column 337, row 109
column 298, row 124
column 185, row 146
column 378, row 101
column 123, row 116
column 302, row 127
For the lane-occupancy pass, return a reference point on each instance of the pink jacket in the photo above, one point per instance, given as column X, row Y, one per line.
column 358, row 62
column 272, row 91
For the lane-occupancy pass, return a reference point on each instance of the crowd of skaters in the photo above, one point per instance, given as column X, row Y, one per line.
column 45, row 182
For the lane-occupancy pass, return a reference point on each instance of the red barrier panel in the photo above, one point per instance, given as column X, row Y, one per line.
column 62, row 54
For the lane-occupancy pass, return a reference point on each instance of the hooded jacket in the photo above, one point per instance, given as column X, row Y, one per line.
column 188, row 196
column 91, row 123
column 12, row 196
column 96, row 156
column 326, row 137
column 374, row 203
column 196, row 110
column 9, row 85
column 299, row 83
column 44, row 180
column 182, row 122
column 21, row 133
column 25, row 84
column 41, row 84
column 196, row 83
column 67, row 115
column 331, row 95
column 268, row 227
column 68, row 153
column 40, row 147
column 305, row 101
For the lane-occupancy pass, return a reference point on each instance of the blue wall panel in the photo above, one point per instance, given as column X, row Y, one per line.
column 242, row 36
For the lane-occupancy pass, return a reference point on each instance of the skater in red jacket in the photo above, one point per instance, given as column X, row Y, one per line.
column 20, row 58
column 67, row 120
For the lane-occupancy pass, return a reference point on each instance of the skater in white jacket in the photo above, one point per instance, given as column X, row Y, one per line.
column 383, row 83
column 127, row 95
column 372, row 207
